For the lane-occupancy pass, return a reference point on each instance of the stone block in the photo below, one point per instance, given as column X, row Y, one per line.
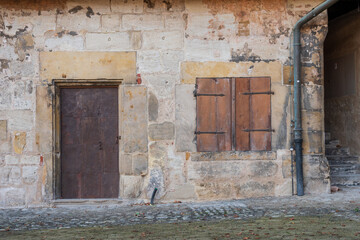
column 43, row 134
column 316, row 185
column 127, row 6
column 119, row 41
column 65, row 43
column 158, row 6
column 135, row 119
column 167, row 109
column 288, row 75
column 171, row 60
column 199, row 25
column 14, row 197
column 110, row 23
column 175, row 21
column 142, row 22
column 156, row 181
column 263, row 169
column 98, row 7
column 313, row 142
column 10, row 159
column 37, row 25
column 23, row 95
column 233, row 155
column 191, row 70
column 215, row 190
column 153, row 107
column 162, row 131
column 6, row 91
column 281, row 102
column 19, row 142
column 157, row 154
column 3, row 130
column 131, row 186
column 316, row 166
column 162, row 40
column 136, row 40
column 206, row 50
column 88, row 65
column 256, row 189
column 149, row 62
column 312, row 121
column 29, row 174
column 217, row 170
column 20, row 120
column 182, row 192
column 162, row 85
column 312, row 97
column 10, row 175
column 185, row 118
column 140, row 164
column 25, row 159
column 79, row 22
column 126, row 164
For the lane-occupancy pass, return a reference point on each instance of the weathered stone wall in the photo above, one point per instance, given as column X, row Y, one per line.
column 169, row 43
column 342, row 108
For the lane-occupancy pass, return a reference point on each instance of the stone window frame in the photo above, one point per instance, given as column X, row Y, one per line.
column 57, row 84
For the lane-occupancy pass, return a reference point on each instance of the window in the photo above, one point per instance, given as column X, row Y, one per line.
column 233, row 114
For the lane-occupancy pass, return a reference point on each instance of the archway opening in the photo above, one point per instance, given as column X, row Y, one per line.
column 342, row 92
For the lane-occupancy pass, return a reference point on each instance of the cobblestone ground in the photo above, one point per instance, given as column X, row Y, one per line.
column 344, row 204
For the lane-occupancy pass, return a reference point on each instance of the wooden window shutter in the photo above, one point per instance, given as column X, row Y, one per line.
column 214, row 114
column 253, row 114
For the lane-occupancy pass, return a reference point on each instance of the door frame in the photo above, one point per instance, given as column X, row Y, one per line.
column 74, row 83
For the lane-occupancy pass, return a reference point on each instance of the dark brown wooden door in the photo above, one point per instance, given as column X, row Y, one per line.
column 89, row 143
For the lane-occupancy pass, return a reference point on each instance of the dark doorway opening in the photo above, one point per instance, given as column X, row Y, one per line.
column 89, row 150
column 342, row 95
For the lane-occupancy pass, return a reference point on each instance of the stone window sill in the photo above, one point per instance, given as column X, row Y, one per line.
column 233, row 155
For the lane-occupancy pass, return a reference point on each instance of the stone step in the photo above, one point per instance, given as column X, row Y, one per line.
column 333, row 143
column 337, row 151
column 345, row 180
column 344, row 169
column 340, row 160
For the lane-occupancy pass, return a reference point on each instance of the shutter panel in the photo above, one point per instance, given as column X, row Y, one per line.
column 223, row 110
column 242, row 117
column 213, row 112
column 260, row 114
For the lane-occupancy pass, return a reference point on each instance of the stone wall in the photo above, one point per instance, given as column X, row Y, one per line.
column 169, row 43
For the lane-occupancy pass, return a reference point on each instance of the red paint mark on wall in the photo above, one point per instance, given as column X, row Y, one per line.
column 41, row 160
column 138, row 78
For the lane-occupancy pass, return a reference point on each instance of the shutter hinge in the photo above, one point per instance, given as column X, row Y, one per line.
column 199, row 132
column 258, row 130
column 252, row 93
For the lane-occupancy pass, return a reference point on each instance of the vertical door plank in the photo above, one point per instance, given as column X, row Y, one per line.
column 206, row 116
column 260, row 114
column 242, row 118
column 223, row 111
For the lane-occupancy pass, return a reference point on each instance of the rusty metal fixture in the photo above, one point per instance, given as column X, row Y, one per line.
column 297, row 91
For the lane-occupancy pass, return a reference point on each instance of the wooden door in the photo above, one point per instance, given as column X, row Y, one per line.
column 89, row 142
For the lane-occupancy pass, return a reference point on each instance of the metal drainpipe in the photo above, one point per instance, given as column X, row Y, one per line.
column 297, row 92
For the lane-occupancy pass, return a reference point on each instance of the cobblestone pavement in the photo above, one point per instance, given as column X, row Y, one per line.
column 345, row 203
